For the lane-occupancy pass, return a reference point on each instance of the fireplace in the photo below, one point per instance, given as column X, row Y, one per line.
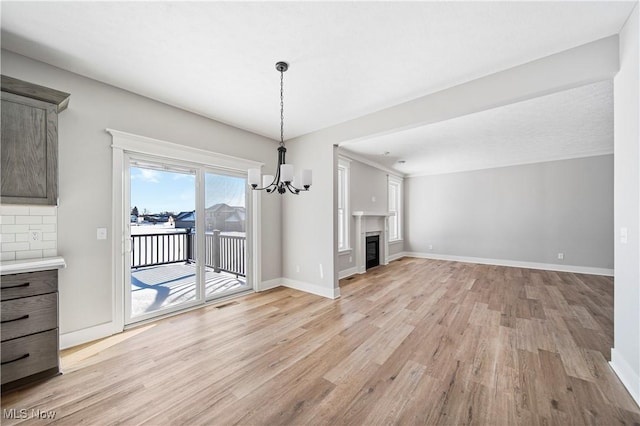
column 372, row 251
column 371, row 224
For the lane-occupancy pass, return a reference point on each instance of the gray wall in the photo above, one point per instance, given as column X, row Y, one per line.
column 524, row 213
column 309, row 236
column 85, row 178
column 368, row 192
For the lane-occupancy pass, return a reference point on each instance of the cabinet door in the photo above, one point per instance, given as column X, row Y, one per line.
column 29, row 151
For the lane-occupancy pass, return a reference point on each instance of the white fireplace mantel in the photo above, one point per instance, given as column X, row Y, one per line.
column 371, row 222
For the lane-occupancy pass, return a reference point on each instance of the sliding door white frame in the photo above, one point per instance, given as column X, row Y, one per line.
column 127, row 143
column 141, row 160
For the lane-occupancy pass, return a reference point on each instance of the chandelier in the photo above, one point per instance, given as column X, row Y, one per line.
column 283, row 180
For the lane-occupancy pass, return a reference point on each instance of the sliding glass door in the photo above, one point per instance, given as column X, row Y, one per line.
column 225, row 223
column 187, row 236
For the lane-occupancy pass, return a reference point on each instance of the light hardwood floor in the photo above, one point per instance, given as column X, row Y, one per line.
column 416, row 342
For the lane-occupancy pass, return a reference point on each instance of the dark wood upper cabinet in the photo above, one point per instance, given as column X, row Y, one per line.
column 29, row 146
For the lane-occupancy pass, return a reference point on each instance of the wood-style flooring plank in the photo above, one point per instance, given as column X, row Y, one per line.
column 415, row 342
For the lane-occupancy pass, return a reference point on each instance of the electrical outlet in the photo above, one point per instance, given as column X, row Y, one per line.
column 35, row 235
column 560, row 256
column 297, row 268
column 350, row 259
column 430, row 246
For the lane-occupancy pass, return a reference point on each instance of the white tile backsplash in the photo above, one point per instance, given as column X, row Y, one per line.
column 49, row 252
column 10, row 210
column 43, row 210
column 7, row 220
column 7, row 238
column 50, row 227
column 14, row 229
column 15, row 246
column 11, row 255
column 29, row 254
column 16, row 224
column 28, row 220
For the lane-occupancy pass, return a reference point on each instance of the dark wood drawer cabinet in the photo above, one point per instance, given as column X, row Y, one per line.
column 29, row 315
column 29, row 327
column 29, row 142
column 28, row 284
column 29, row 355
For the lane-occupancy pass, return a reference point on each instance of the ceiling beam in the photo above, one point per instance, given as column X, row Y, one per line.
column 585, row 64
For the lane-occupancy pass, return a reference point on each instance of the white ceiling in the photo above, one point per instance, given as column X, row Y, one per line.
column 569, row 124
column 347, row 59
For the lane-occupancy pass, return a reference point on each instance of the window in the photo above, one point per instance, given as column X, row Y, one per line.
column 343, row 203
column 395, row 206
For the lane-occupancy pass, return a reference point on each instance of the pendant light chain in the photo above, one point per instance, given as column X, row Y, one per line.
column 281, row 108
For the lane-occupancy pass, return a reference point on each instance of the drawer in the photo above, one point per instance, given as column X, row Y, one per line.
column 28, row 284
column 29, row 355
column 28, row 315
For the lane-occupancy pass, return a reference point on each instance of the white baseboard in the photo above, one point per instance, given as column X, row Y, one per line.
column 75, row 338
column 269, row 284
column 347, row 272
column 302, row 286
column 515, row 263
column 331, row 293
column 397, row 256
column 629, row 378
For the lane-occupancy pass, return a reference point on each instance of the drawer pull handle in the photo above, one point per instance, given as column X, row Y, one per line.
column 16, row 286
column 15, row 319
column 15, row 359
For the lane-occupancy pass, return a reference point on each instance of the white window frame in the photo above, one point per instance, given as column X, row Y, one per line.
column 344, row 212
column 395, row 233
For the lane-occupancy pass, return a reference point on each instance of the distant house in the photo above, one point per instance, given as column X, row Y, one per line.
column 186, row 220
column 225, row 218
column 154, row 219
column 222, row 217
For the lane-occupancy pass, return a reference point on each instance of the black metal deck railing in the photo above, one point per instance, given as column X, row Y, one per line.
column 222, row 252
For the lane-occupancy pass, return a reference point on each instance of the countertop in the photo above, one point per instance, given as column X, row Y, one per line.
column 31, row 265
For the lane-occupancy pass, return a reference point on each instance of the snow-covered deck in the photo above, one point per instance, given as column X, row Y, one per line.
column 159, row 286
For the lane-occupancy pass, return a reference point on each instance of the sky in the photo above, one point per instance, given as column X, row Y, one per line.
column 159, row 191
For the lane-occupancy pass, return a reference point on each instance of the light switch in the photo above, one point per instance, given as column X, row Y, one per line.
column 102, row 233
column 623, row 235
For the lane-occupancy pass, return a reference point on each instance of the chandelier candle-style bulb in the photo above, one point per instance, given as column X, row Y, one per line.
column 306, row 178
column 254, row 177
column 286, row 173
column 283, row 180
